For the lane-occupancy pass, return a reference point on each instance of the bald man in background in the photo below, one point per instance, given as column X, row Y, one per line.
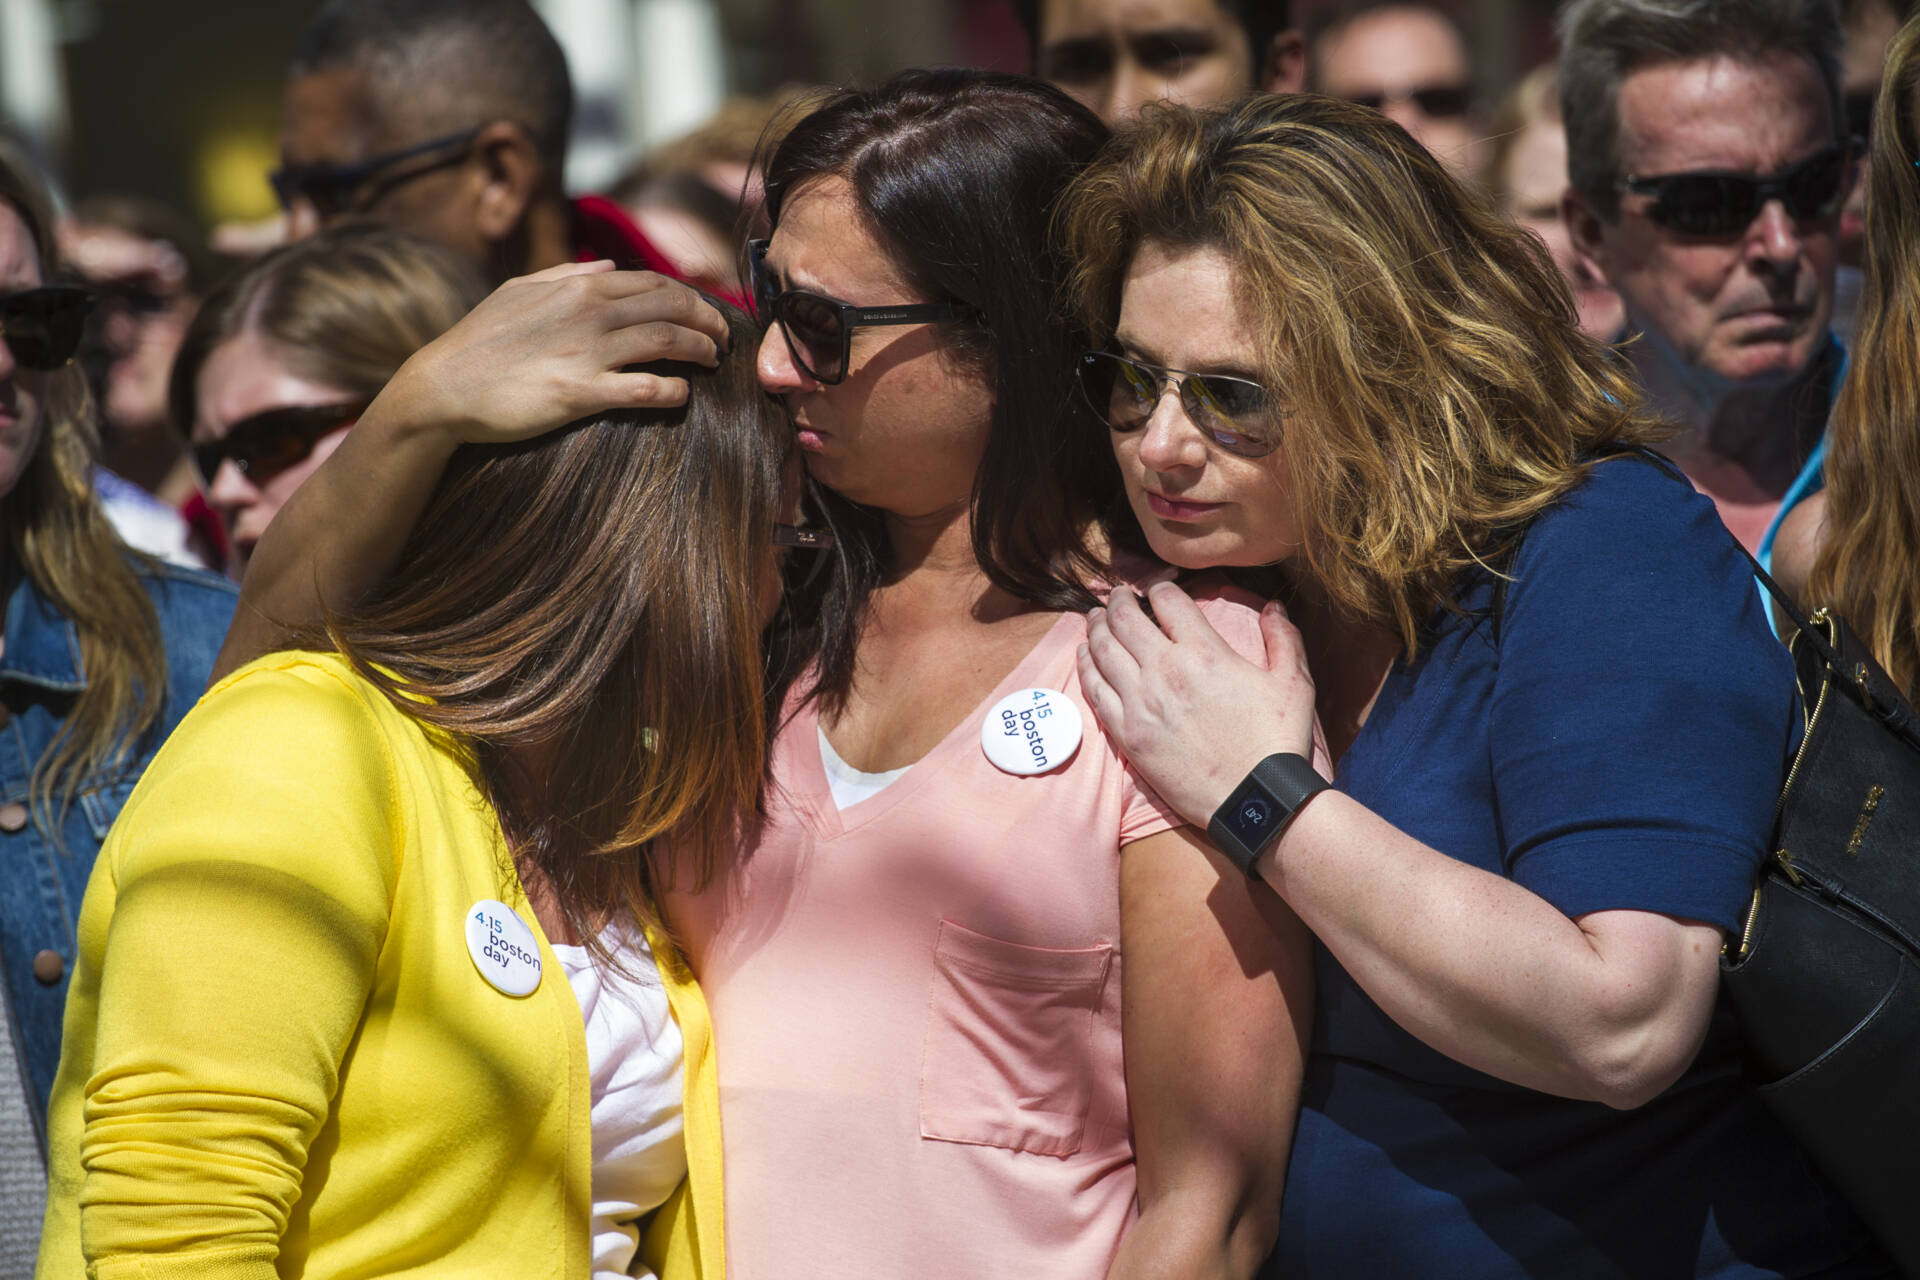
column 447, row 118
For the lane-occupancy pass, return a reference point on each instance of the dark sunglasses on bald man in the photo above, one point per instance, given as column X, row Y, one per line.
column 1709, row 202
column 42, row 327
column 267, row 443
column 819, row 331
column 335, row 190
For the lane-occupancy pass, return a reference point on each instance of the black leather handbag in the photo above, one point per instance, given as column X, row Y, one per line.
column 1825, row 975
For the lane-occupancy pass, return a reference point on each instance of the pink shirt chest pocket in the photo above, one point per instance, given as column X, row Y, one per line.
column 1007, row 1056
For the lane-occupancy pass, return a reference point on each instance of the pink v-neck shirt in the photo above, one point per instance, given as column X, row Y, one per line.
column 916, row 1007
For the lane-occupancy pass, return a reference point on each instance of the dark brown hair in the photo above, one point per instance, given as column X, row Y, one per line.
column 956, row 173
column 582, row 614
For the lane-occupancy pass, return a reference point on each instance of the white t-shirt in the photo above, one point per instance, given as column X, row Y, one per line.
column 634, row 1055
column 848, row 785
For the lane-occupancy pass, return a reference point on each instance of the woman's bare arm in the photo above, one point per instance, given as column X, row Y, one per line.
column 1610, row 1007
column 539, row 352
column 1217, row 1012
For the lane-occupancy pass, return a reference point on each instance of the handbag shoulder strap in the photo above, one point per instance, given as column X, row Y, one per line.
column 1855, row 668
column 1801, row 622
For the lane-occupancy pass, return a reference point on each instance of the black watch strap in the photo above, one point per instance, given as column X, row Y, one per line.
column 1259, row 809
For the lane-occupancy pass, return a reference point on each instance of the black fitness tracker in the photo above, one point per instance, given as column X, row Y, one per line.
column 1261, row 806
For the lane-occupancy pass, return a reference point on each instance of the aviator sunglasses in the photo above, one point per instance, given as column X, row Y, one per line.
column 267, row 443
column 42, row 326
column 1236, row 414
column 819, row 331
column 1714, row 203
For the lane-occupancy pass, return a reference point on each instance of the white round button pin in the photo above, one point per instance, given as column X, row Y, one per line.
column 1031, row 731
column 504, row 950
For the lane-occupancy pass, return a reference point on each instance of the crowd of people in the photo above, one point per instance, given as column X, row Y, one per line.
column 1075, row 675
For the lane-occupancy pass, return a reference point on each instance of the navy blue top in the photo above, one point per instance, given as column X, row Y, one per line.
column 1618, row 744
column 40, row 883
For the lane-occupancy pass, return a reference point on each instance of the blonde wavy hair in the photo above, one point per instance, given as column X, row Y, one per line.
column 1440, row 392
column 59, row 538
column 1868, row 566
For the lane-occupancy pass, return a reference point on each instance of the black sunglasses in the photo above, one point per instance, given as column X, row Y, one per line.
column 42, row 327
column 1441, row 101
column 819, row 331
column 1236, row 414
column 267, row 443
column 1714, row 203
column 335, row 189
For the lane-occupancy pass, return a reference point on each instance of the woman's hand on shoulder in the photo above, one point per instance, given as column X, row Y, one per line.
column 1191, row 714
column 551, row 348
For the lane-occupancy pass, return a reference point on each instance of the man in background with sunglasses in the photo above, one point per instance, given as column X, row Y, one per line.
column 1708, row 159
column 449, row 119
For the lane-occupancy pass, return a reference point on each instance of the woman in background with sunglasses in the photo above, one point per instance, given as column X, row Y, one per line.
column 1558, row 716
column 1855, row 546
column 101, row 652
column 284, row 356
column 929, row 1064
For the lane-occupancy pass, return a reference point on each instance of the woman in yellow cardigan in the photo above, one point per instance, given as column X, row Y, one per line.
column 321, row 1025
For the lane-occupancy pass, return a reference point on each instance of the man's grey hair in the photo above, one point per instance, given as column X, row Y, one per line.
column 1602, row 42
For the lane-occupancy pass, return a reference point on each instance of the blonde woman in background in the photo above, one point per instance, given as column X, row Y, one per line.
column 102, row 651
column 1526, row 172
column 1856, row 546
column 285, row 356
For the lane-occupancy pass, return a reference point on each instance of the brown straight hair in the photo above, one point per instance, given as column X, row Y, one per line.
column 57, row 535
column 1439, row 390
column 1868, row 566
column 581, row 613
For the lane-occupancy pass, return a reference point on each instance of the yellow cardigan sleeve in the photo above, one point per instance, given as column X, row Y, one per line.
column 245, row 895
column 687, row 1237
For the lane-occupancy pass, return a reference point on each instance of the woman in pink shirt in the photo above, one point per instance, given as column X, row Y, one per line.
column 929, row 1063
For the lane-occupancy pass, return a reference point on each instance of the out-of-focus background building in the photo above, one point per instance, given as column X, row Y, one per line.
column 179, row 100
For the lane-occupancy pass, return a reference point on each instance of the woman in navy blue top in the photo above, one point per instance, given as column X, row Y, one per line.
column 1554, row 715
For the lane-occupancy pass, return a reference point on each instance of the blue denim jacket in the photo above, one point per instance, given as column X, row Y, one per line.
column 41, row 884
